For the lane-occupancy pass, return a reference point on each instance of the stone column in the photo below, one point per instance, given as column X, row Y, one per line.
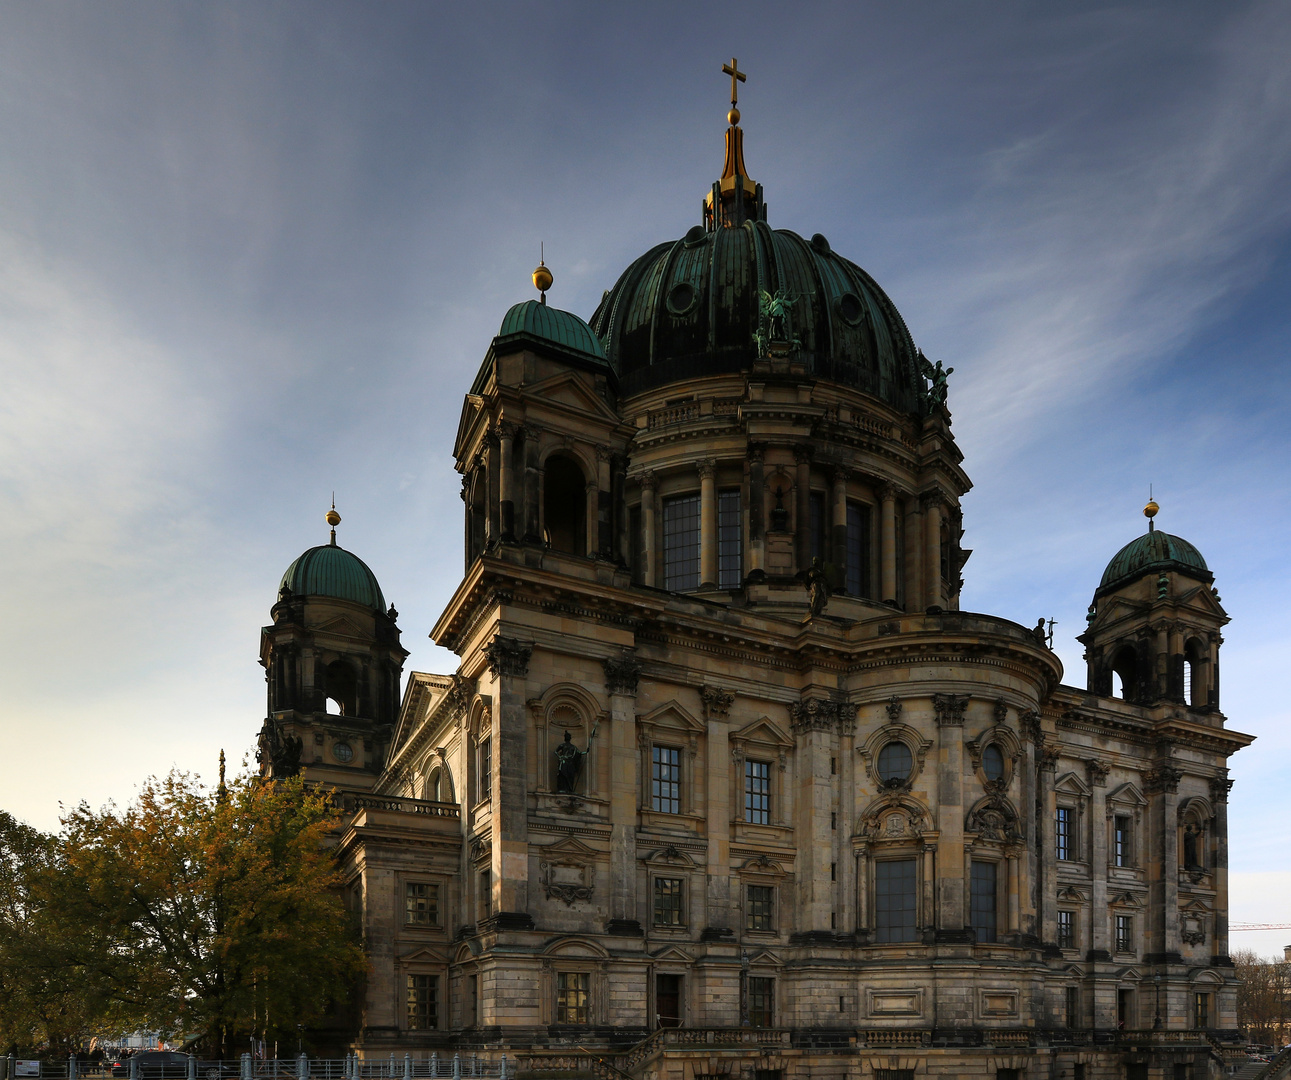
column 802, row 481
column 1212, row 676
column 649, row 484
column 863, row 891
column 621, row 674
column 1163, row 863
column 1219, row 788
column 932, row 550
column 1175, row 667
column 1046, row 869
column 604, row 546
column 508, row 660
column 592, row 525
column 887, row 543
column 838, row 549
column 952, row 909
column 1013, row 861
column 722, row 909
column 532, row 489
column 619, row 525
column 708, row 524
column 493, row 499
column 1162, row 670
column 914, row 590
column 1097, row 938
column 757, row 507
column 506, row 440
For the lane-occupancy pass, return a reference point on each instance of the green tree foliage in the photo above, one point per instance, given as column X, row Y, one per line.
column 199, row 912
column 1263, row 997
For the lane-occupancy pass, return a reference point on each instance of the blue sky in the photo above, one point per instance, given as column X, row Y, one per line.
column 253, row 253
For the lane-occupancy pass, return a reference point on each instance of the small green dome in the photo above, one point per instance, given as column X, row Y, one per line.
column 332, row 571
column 548, row 324
column 1154, row 550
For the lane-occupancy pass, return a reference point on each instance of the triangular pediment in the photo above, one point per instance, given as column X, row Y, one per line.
column 1071, row 784
column 673, row 955
column 343, row 626
column 672, row 714
column 423, row 692
column 424, row 954
column 570, row 848
column 762, row 730
column 472, row 407
column 764, row 958
column 1128, row 794
column 571, row 391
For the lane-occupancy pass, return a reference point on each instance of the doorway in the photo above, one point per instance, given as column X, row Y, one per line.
column 667, row 1000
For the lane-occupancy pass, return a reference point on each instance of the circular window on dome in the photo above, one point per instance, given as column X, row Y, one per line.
column 696, row 234
column 850, row 309
column 993, row 763
column 682, row 297
column 894, row 763
column 342, row 751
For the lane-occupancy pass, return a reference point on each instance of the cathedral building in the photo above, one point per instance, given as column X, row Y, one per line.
column 726, row 783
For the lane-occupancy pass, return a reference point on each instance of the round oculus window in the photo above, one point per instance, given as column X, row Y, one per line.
column 850, row 309
column 682, row 297
column 993, row 763
column 894, row 762
column 342, row 751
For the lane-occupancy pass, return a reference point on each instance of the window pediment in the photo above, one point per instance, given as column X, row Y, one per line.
column 1127, row 795
column 1071, row 784
column 761, row 732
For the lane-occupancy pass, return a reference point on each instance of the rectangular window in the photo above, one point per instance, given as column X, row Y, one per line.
column 636, row 545
column 420, row 904
column 423, row 1002
column 816, row 514
column 571, row 997
column 665, row 779
column 1063, row 843
column 730, row 540
column 1124, row 933
column 472, row 1000
column 681, row 543
column 1066, row 929
column 1121, row 853
column 484, row 901
column 667, row 902
column 761, row 908
column 893, row 1074
column 757, row 792
column 984, row 919
column 1073, row 1006
column 894, row 900
column 484, row 776
column 1201, row 1010
column 858, row 549
column 761, row 1002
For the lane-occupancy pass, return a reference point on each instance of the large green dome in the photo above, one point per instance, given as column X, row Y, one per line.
column 691, row 307
column 1154, row 550
column 332, row 571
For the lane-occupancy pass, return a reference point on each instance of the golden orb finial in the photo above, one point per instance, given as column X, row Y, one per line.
column 333, row 519
column 1150, row 511
column 542, row 278
column 733, row 117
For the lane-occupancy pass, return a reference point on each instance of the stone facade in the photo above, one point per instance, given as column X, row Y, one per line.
column 726, row 783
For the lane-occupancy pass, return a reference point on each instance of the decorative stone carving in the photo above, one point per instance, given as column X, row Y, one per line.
column 481, row 847
column 1049, row 758
column 817, row 714
column 949, row 709
column 1000, row 710
column 717, row 702
column 993, row 818
column 893, row 709
column 648, row 480
column 507, row 656
column 707, row 468
column 1029, row 725
column 1096, row 771
column 567, row 871
column 621, row 674
column 1164, row 778
column 282, row 752
column 1220, row 786
column 894, row 817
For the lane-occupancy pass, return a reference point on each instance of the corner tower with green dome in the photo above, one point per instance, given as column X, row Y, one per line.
column 332, row 662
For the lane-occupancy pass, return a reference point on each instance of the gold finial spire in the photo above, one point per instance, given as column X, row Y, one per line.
column 1150, row 511
column 542, row 278
column 333, row 518
column 737, row 76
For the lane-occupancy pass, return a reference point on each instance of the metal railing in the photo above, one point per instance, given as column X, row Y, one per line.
column 249, row 1067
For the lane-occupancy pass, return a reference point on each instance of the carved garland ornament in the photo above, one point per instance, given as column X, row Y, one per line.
column 817, row 714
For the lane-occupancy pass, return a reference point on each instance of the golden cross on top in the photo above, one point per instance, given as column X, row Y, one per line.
column 737, row 76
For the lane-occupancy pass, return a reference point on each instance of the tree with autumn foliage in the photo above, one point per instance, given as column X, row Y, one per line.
column 205, row 912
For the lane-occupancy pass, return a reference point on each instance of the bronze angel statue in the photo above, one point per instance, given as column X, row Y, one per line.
column 936, row 375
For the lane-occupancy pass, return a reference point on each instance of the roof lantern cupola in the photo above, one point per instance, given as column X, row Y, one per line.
column 734, row 199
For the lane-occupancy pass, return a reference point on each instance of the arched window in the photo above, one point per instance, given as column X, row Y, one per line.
column 564, row 505
column 476, row 515
column 1125, row 667
column 341, row 689
column 1194, row 673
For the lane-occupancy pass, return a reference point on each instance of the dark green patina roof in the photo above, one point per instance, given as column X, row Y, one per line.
column 690, row 307
column 548, row 324
column 1153, row 551
column 333, row 571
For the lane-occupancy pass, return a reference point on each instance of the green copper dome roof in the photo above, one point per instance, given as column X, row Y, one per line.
column 1154, row 550
column 333, row 571
column 561, row 328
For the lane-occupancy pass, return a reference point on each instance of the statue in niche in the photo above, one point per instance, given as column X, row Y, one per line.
column 569, row 763
column 817, row 586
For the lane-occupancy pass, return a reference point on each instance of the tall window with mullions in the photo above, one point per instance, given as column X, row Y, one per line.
column 730, row 540
column 681, row 543
column 665, row 779
column 984, row 917
column 757, row 792
column 858, row 549
column 894, row 900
